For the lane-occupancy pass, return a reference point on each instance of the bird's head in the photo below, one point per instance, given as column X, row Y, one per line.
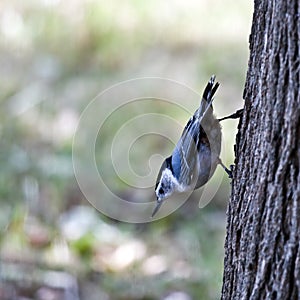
column 165, row 187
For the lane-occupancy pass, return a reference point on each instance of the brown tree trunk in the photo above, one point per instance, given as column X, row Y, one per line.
column 262, row 248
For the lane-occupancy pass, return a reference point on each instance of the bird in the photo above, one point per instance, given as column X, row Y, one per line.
column 196, row 154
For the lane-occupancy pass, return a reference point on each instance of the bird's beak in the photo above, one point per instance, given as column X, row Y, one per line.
column 157, row 207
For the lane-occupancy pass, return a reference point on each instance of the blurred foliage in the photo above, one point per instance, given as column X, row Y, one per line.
column 55, row 57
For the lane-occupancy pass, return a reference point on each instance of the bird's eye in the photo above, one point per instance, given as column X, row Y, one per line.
column 160, row 191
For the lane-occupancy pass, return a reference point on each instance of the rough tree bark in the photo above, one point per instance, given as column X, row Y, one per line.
column 262, row 248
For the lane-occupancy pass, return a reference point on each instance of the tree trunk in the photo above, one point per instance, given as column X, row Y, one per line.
column 262, row 248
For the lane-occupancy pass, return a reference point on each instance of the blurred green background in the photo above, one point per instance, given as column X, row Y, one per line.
column 55, row 57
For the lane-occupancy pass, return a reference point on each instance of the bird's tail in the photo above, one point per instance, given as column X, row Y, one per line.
column 207, row 97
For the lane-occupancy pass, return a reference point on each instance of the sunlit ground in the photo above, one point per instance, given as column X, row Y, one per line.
column 56, row 56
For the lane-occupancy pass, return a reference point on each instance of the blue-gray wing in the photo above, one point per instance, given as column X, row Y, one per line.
column 184, row 156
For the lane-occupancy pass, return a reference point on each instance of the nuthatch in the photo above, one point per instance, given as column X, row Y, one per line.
column 196, row 155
